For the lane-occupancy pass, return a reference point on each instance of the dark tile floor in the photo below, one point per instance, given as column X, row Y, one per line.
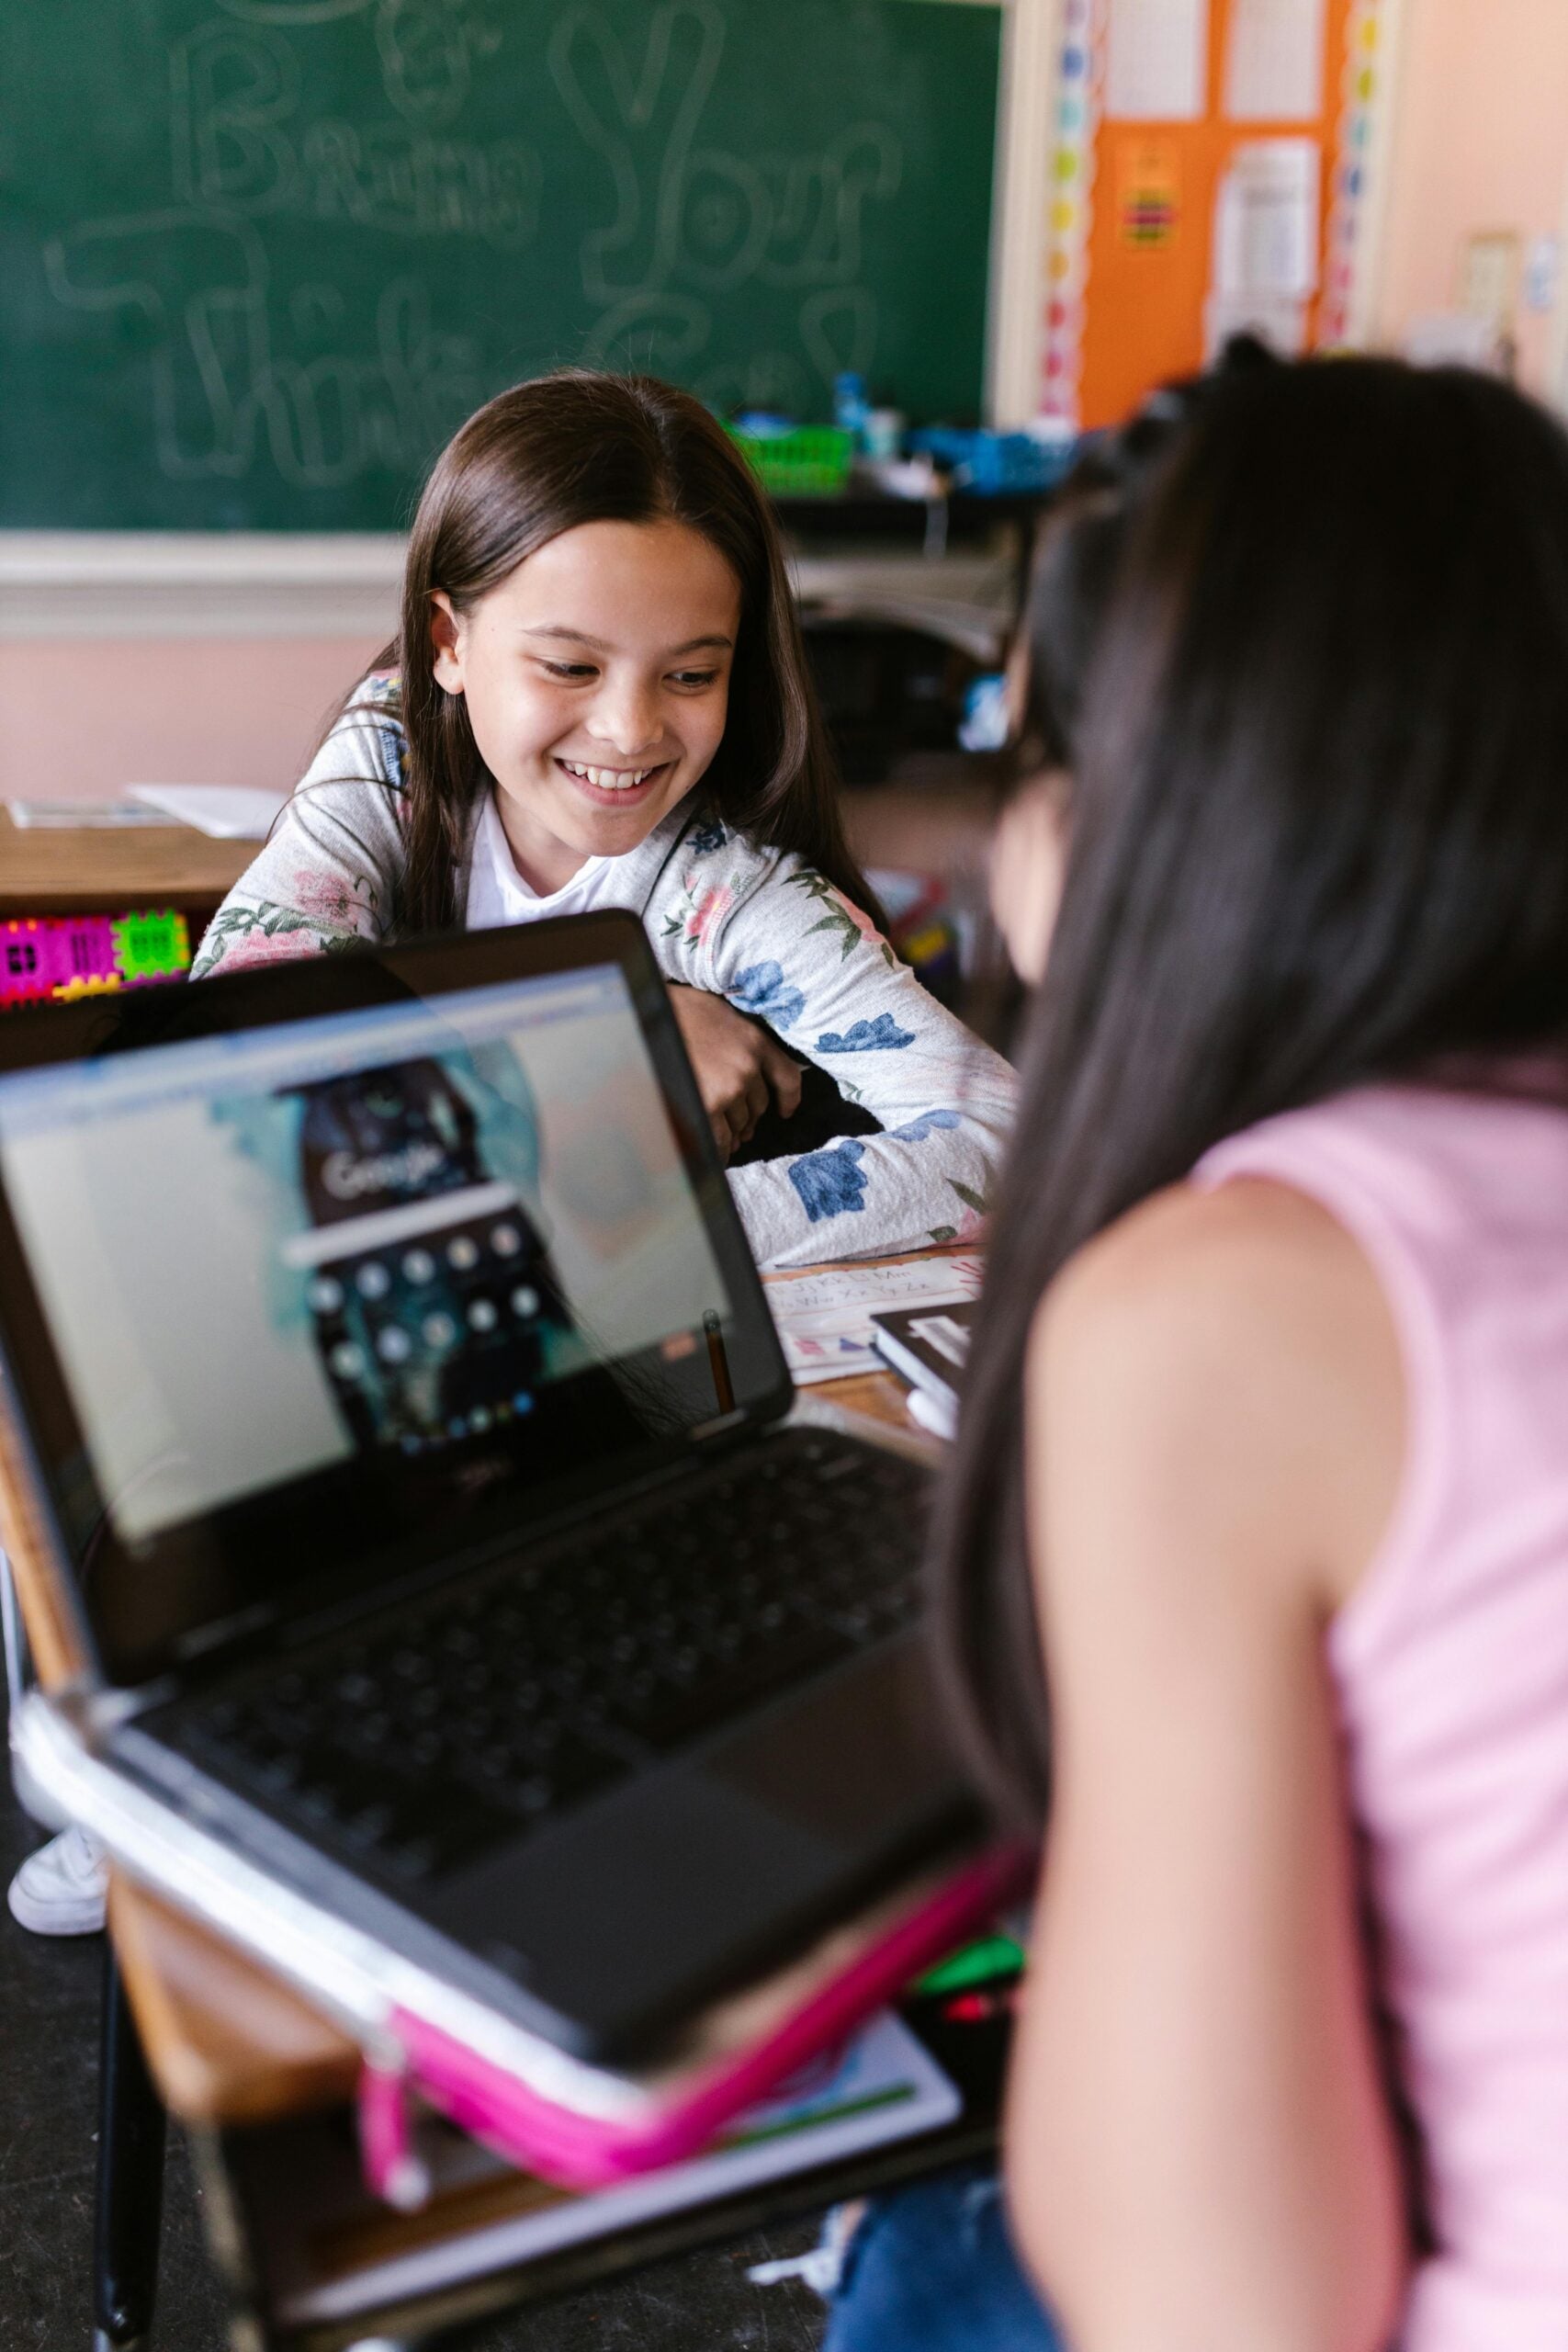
column 49, row 2027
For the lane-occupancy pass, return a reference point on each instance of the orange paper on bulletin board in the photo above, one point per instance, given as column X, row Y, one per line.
column 1147, row 261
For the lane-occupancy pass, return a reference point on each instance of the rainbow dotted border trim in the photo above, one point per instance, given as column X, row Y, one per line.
column 1363, row 61
column 1071, row 206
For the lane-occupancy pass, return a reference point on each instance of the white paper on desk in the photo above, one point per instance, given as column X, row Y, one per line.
column 884, row 2086
column 79, row 816
column 1157, row 66
column 823, row 1318
column 1274, row 60
column 227, row 812
column 1266, row 223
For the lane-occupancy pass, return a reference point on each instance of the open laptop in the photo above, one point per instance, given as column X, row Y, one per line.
column 401, row 1394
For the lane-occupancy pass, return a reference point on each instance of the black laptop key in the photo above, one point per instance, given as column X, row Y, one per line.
column 412, row 1828
column 533, row 1778
column 458, row 1725
column 678, row 1710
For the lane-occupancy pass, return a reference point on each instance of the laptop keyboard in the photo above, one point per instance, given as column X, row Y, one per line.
column 472, row 1717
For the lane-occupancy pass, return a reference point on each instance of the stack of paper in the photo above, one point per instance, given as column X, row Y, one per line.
column 77, row 816
column 236, row 812
column 823, row 1318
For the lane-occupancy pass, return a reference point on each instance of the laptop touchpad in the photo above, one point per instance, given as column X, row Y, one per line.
column 860, row 1760
column 679, row 1880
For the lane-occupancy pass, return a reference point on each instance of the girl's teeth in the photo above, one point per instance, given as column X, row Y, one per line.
column 608, row 779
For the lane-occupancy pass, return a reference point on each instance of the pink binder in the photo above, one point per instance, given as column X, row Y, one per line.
column 684, row 2110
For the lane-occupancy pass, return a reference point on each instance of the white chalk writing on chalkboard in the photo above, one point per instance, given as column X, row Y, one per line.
column 427, row 47
column 704, row 215
column 225, row 393
column 642, row 124
column 248, row 368
column 690, row 222
column 234, row 99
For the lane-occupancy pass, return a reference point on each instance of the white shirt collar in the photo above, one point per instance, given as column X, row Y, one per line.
column 497, row 892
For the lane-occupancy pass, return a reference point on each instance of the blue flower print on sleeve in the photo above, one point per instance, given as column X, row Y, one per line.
column 882, row 1035
column 829, row 1182
column 707, row 839
column 763, row 989
column 394, row 755
column 919, row 1129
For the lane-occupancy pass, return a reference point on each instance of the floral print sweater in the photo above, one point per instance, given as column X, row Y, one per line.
column 755, row 926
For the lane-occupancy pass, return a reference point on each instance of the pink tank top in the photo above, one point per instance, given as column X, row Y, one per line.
column 1450, row 1664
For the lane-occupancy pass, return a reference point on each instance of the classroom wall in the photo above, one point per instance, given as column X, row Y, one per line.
column 1480, row 144
column 81, row 717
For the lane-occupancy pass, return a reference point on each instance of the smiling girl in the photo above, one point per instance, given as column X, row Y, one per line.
column 598, row 697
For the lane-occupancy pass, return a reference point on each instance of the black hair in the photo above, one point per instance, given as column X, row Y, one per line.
column 1080, row 548
column 1319, row 839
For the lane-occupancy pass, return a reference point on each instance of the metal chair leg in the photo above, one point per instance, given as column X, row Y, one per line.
column 35, row 1802
column 16, row 1640
column 130, row 2178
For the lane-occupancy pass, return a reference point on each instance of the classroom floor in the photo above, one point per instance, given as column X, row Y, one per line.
column 48, row 2038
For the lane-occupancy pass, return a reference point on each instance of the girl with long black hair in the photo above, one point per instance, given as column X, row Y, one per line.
column 1253, row 1557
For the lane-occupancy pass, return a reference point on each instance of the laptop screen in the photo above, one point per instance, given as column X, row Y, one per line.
column 361, row 1287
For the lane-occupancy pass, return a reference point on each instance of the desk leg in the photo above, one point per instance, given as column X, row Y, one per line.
column 130, row 2178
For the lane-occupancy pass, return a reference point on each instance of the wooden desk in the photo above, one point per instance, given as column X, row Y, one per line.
column 225, row 2042
column 90, row 870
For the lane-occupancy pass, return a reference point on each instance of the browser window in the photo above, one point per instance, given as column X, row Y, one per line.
column 393, row 1232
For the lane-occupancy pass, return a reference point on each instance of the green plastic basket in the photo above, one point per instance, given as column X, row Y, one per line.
column 812, row 461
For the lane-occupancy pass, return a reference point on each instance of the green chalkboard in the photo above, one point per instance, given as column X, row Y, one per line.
column 259, row 257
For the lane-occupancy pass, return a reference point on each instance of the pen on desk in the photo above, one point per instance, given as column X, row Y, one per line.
column 720, row 1362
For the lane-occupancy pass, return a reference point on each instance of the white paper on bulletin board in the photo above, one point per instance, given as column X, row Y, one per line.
column 1266, row 221
column 1274, row 60
column 1156, row 61
column 1272, row 319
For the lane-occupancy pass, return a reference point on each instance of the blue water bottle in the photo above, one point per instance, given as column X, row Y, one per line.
column 851, row 406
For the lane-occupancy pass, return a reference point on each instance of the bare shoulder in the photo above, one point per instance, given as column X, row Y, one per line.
column 1236, row 1346
column 1245, row 1248
column 1212, row 1446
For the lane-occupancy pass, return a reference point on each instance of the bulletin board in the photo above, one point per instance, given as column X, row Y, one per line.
column 1162, row 108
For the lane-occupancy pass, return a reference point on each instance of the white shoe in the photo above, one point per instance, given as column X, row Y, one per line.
column 59, row 1891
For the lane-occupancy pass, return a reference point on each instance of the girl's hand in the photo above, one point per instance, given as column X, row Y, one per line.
column 738, row 1065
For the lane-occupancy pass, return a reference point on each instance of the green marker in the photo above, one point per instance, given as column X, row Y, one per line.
column 992, row 1956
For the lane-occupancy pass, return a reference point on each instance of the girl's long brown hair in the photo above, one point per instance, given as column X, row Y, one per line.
column 578, row 447
column 1319, row 839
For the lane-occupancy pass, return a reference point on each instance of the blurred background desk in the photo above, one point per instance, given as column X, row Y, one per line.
column 69, row 870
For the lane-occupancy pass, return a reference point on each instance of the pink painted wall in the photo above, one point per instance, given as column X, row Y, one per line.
column 1480, row 144
column 81, row 717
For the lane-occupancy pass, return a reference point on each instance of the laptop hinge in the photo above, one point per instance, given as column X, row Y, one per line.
column 725, row 1424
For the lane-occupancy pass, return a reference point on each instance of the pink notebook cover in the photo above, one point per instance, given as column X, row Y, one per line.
column 584, row 2153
